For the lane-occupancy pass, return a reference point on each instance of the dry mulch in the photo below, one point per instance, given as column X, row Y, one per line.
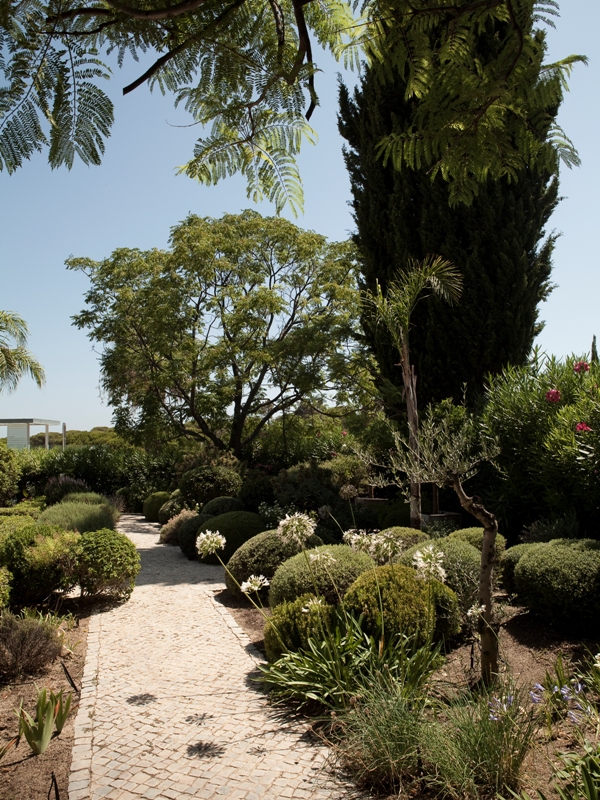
column 24, row 776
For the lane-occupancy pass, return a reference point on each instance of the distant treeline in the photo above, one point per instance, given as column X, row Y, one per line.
column 99, row 435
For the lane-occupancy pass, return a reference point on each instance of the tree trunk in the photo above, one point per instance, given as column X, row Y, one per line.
column 489, row 636
column 410, row 390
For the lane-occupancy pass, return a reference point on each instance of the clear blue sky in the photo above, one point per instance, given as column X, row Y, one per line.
column 134, row 198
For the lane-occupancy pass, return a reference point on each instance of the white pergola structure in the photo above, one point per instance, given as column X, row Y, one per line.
column 19, row 431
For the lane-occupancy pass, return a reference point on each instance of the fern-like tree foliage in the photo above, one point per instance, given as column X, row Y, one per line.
column 245, row 69
column 15, row 360
column 243, row 318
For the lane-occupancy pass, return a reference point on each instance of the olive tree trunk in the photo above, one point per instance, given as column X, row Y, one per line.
column 489, row 637
column 410, row 390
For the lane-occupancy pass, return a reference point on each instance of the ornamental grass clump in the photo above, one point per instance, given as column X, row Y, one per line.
column 169, row 533
column 81, row 517
column 27, row 644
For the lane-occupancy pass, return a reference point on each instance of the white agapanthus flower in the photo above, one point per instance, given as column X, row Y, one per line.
column 209, row 542
column 597, row 660
column 357, row 539
column 428, row 562
column 475, row 611
column 322, row 557
column 296, row 528
column 254, row 584
column 314, row 602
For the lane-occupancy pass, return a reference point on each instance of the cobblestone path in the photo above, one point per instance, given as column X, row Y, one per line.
column 167, row 708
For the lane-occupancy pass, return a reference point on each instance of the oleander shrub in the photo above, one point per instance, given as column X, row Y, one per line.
column 108, row 564
column 561, row 583
column 292, row 624
column 57, row 487
column 462, row 564
column 202, row 484
column 42, row 559
column 261, row 555
column 169, row 533
column 393, row 600
column 5, row 578
column 474, row 536
column 301, row 575
column 188, row 533
column 237, row 527
column 256, row 489
column 172, row 507
column 223, row 505
column 10, row 472
column 81, row 516
column 152, row 505
column 508, row 563
column 27, row 644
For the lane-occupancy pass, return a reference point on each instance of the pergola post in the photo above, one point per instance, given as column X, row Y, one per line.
column 47, row 437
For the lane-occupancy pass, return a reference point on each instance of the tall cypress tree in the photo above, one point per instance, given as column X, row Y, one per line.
column 497, row 243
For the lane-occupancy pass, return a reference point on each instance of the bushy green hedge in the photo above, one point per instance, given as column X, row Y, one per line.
column 508, row 563
column 222, row 505
column 562, row 583
column 10, row 472
column 462, row 563
column 108, row 563
column 152, row 505
column 292, row 624
column 237, row 527
column 188, row 533
column 169, row 533
column 5, row 579
column 202, row 484
column 92, row 498
column 42, row 559
column 300, row 575
column 406, row 537
column 474, row 536
column 261, row 555
column 257, row 488
column 81, row 516
column 26, row 508
column 172, row 507
column 393, row 600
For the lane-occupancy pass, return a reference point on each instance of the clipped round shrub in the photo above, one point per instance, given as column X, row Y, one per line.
column 301, row 575
column 508, row 563
column 578, row 544
column 408, row 536
column 188, row 533
column 5, row 578
column 292, row 624
column 257, row 488
column 80, row 516
column 462, row 563
column 562, row 583
column 42, row 559
column 108, row 564
column 474, row 536
column 222, row 505
column 169, row 533
column 56, row 488
column 261, row 555
column 393, row 600
column 171, row 508
column 202, row 484
column 237, row 527
column 152, row 505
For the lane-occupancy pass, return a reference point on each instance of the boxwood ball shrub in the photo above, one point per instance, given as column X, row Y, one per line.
column 508, row 563
column 81, row 516
column 169, row 533
column 152, row 505
column 561, row 583
column 474, row 536
column 222, row 505
column 292, row 624
column 393, row 600
column 261, row 555
column 108, row 564
column 237, row 527
column 330, row 579
column 188, row 533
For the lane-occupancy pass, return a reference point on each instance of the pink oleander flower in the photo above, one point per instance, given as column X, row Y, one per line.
column 581, row 366
column 344, row 433
column 553, row 396
column 582, row 426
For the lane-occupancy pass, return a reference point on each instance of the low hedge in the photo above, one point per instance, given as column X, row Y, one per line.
column 5, row 579
column 292, row 624
column 188, row 533
column 474, row 536
column 508, row 563
column 152, row 505
column 223, row 505
column 237, row 527
column 169, row 533
column 108, row 563
column 299, row 575
column 393, row 600
column 81, row 516
column 562, row 583
column 261, row 555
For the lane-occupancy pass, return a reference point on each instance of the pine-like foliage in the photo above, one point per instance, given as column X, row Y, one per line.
column 246, row 69
column 497, row 243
